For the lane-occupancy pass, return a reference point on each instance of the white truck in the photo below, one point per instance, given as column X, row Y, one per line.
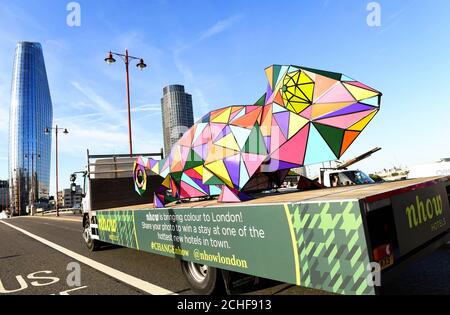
column 340, row 176
column 440, row 168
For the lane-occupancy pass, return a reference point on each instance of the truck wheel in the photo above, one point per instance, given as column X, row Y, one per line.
column 92, row 244
column 204, row 280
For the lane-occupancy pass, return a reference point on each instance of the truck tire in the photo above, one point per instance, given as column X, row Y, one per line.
column 91, row 244
column 204, row 280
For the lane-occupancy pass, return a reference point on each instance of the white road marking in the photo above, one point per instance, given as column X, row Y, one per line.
column 71, row 290
column 117, row 274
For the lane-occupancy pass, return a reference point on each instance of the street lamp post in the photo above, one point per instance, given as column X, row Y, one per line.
column 141, row 65
column 65, row 131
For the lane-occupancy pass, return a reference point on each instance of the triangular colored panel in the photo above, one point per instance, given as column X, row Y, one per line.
column 360, row 93
column 276, row 73
column 354, row 108
column 359, row 126
column 276, row 165
column 232, row 164
column 228, row 196
column 192, row 173
column 228, row 142
column 277, row 138
column 204, row 137
column 344, row 122
column 193, row 160
column 333, row 75
column 224, row 117
column 363, row 86
column 252, row 162
column 243, row 174
column 269, row 75
column 261, row 101
column 255, row 142
column 216, row 152
column 186, row 179
column 205, row 119
column 337, row 94
column 349, row 138
column 345, row 78
column 317, row 149
column 293, row 151
column 219, row 169
column 307, row 112
column 278, row 99
column 249, row 119
column 278, row 108
column 333, row 136
column 166, row 182
column 187, row 191
column 374, row 101
column 266, row 121
column 157, row 203
column 319, row 110
column 217, row 131
column 199, row 130
column 201, row 151
column 296, row 123
column 282, row 120
column 215, row 190
column 240, row 134
column 188, row 137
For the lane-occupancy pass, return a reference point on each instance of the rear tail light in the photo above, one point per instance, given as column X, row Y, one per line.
column 382, row 251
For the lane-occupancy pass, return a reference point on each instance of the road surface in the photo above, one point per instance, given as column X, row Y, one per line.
column 39, row 254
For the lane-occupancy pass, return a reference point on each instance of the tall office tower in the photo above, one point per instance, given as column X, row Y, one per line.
column 177, row 114
column 30, row 113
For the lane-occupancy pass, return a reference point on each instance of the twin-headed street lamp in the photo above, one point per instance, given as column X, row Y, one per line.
column 48, row 131
column 141, row 65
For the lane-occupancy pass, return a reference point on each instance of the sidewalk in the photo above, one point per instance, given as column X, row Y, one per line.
column 62, row 216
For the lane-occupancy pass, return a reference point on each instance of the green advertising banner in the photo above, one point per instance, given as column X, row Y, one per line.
column 316, row 245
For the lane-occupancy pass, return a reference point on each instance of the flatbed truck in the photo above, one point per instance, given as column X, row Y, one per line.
column 344, row 240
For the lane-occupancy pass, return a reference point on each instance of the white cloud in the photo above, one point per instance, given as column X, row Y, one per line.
column 104, row 128
column 99, row 104
column 184, row 68
column 220, row 26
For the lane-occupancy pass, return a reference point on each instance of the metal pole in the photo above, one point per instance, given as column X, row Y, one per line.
column 56, row 204
column 32, row 185
column 128, row 101
column 20, row 196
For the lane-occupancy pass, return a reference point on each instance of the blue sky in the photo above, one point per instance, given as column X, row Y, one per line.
column 218, row 49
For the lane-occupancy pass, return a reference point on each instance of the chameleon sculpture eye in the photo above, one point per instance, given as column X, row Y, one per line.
column 140, row 178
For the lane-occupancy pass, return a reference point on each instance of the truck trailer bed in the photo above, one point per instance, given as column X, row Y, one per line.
column 325, row 239
column 359, row 192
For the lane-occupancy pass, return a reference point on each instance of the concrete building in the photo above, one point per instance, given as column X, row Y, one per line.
column 31, row 112
column 177, row 114
column 67, row 199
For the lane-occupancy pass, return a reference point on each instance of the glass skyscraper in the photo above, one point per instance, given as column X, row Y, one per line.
column 30, row 113
column 177, row 114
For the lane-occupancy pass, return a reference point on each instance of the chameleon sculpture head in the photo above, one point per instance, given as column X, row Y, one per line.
column 306, row 116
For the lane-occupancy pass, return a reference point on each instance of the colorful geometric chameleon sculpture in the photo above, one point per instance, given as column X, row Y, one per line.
column 306, row 116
